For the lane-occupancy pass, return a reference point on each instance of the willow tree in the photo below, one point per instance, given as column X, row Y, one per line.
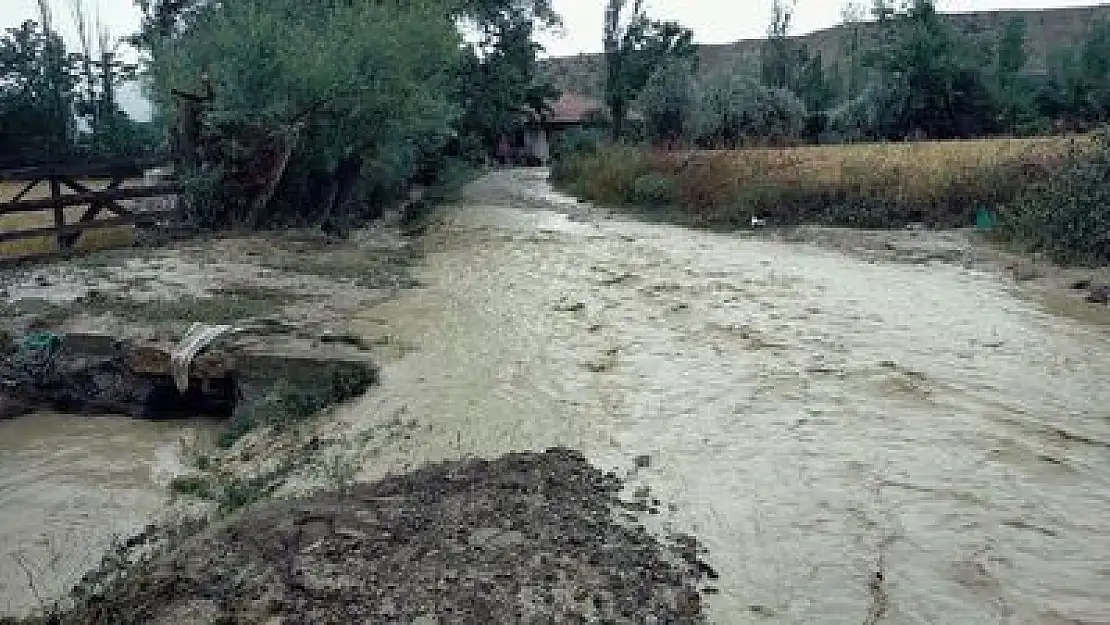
column 343, row 102
column 318, row 112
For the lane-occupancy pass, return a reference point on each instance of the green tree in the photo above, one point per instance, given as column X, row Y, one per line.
column 852, row 16
column 1078, row 85
column 499, row 84
column 733, row 108
column 668, row 101
column 339, row 117
column 635, row 46
column 37, row 91
column 934, row 79
column 778, row 56
column 1011, row 85
column 788, row 64
column 111, row 133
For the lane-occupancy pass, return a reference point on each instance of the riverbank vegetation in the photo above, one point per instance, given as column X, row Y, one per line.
column 859, row 185
column 324, row 127
column 935, row 127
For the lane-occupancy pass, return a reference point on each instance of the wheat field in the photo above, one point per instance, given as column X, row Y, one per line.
column 941, row 183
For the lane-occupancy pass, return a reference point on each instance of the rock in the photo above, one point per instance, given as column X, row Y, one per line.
column 1099, row 294
column 570, row 306
column 643, row 461
column 11, row 408
column 688, row 603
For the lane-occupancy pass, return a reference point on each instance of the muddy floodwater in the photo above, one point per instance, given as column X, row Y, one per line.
column 68, row 486
column 814, row 418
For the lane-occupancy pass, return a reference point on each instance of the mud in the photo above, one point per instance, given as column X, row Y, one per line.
column 70, row 484
column 815, row 417
column 855, row 434
column 528, row 538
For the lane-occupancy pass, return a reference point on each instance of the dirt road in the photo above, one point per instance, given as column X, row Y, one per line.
column 815, row 418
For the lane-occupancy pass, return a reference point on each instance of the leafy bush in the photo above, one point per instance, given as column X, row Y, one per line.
column 668, row 100
column 365, row 87
column 734, row 109
column 607, row 176
column 862, row 117
column 653, row 189
column 1067, row 216
column 577, row 141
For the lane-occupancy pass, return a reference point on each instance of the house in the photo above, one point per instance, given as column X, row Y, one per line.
column 532, row 145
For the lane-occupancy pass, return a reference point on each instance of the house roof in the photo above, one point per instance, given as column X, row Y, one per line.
column 574, row 107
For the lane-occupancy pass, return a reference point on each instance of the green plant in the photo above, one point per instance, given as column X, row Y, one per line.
column 732, row 109
column 285, row 404
column 192, row 485
column 1067, row 216
column 653, row 189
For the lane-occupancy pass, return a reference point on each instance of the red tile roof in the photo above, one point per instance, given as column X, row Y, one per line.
column 572, row 107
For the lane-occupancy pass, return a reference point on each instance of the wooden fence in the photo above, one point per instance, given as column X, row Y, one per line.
column 68, row 186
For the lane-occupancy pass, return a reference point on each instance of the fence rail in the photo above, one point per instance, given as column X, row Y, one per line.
column 67, row 188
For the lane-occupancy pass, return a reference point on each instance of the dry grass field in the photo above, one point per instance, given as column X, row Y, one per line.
column 867, row 185
column 101, row 238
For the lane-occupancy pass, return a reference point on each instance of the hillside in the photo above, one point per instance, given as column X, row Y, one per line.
column 1047, row 30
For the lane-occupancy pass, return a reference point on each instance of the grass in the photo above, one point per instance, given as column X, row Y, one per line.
column 102, row 238
column 861, row 185
column 226, row 306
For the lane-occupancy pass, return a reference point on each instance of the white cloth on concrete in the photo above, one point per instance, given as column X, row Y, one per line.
column 199, row 336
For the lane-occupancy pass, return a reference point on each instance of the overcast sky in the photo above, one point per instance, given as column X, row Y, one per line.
column 713, row 21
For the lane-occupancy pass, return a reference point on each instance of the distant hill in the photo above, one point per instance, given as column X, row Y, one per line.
column 1046, row 30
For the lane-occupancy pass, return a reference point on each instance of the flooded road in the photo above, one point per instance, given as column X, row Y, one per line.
column 814, row 418
column 68, row 486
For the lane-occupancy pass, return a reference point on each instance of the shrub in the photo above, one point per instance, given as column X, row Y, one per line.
column 577, row 141
column 668, row 102
column 357, row 100
column 734, row 109
column 607, row 176
column 1067, row 216
column 653, row 189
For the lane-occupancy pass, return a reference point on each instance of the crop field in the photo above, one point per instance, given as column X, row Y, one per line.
column 865, row 185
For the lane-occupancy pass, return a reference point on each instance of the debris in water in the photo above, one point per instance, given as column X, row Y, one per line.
column 1099, row 294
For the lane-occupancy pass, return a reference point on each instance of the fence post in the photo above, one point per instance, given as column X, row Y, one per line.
column 59, row 210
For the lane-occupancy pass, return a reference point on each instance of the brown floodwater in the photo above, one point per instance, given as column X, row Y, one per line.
column 813, row 418
column 69, row 485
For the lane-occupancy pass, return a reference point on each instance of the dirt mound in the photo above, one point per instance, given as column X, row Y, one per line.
column 528, row 538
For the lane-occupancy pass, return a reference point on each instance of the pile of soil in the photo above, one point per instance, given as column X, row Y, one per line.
column 527, row 538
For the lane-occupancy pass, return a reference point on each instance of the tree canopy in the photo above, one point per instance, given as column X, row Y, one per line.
column 635, row 47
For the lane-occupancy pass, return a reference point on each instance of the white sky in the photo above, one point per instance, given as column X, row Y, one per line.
column 725, row 21
column 713, row 21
